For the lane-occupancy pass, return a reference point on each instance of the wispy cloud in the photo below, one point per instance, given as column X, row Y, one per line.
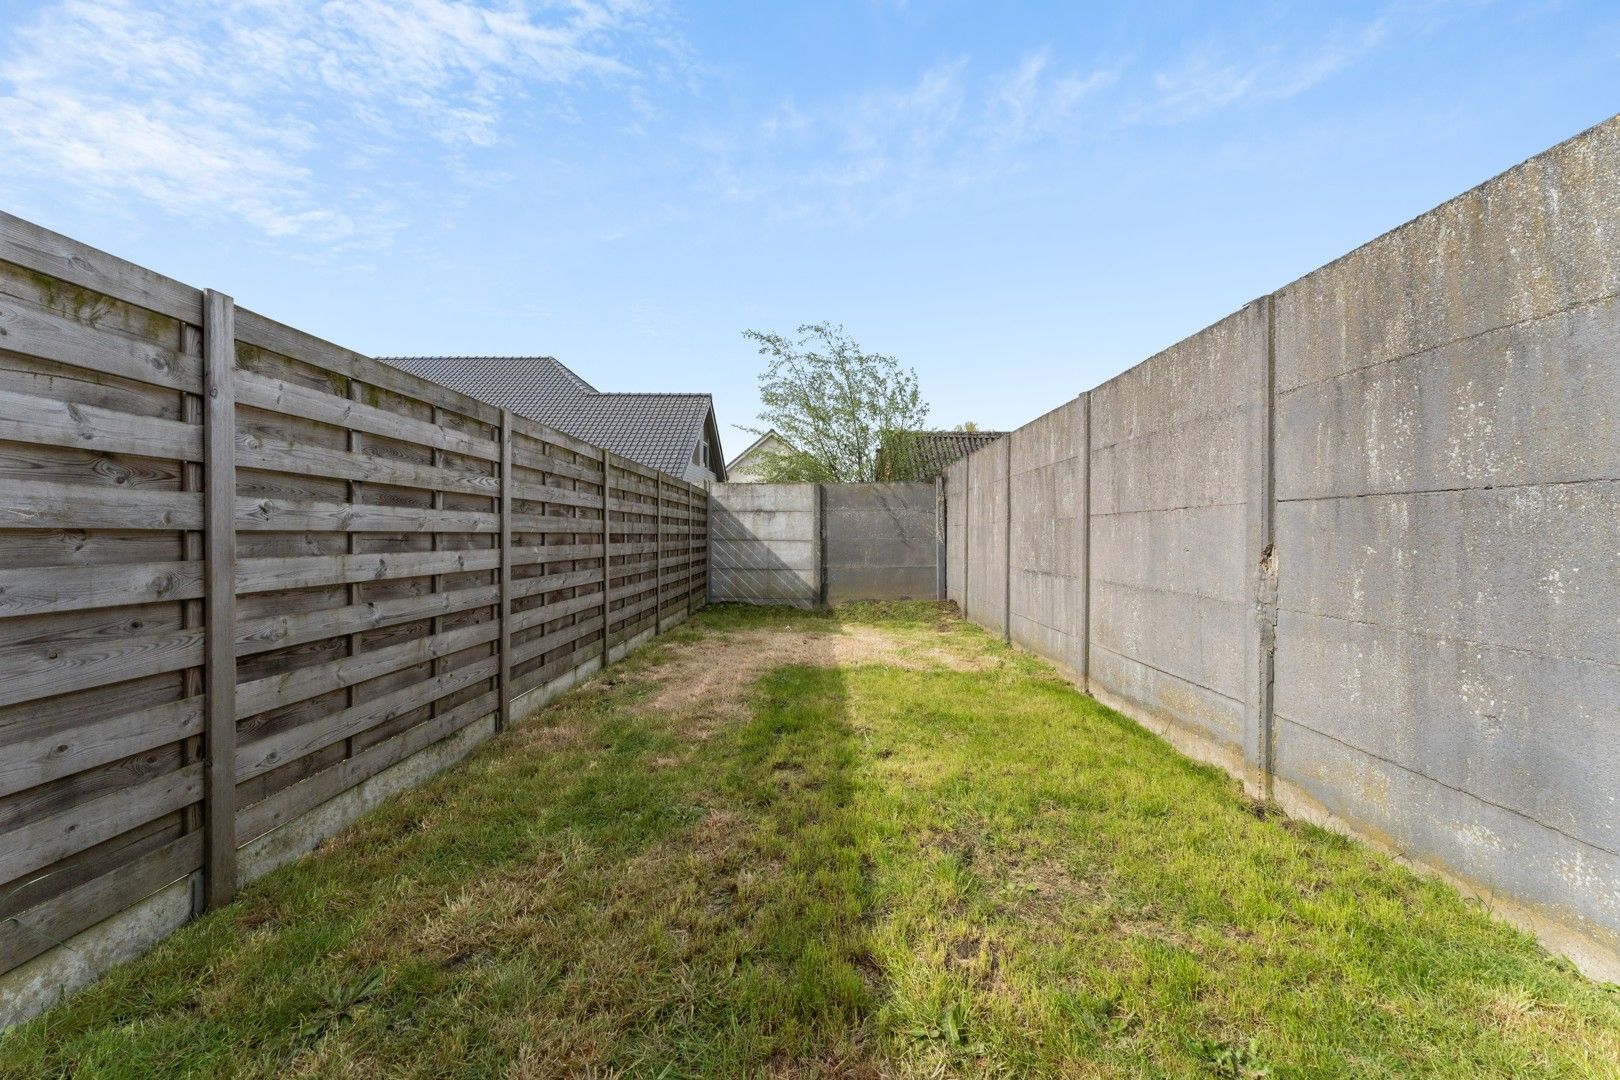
column 1260, row 66
column 290, row 114
column 887, row 147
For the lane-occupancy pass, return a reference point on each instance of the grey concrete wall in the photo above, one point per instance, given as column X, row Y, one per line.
column 956, row 532
column 881, row 541
column 1175, row 517
column 1448, row 528
column 986, row 566
column 807, row 544
column 1359, row 543
column 764, row 544
column 1049, row 534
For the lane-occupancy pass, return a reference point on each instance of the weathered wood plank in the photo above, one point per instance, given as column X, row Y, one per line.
column 530, row 457
column 265, row 333
column 281, row 631
column 274, row 691
column 316, row 515
column 50, row 668
column 528, row 650
column 546, row 493
column 50, row 837
column 31, row 330
column 531, row 429
column 25, row 244
column 47, row 504
column 219, row 539
column 531, row 586
column 308, row 571
column 276, row 395
column 40, row 759
column 533, row 523
column 282, row 747
column 30, row 419
column 256, row 452
column 39, row 590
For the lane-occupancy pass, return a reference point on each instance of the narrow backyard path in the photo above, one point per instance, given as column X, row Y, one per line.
column 872, row 843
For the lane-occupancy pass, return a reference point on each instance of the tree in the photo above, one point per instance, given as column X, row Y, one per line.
column 835, row 404
column 967, row 425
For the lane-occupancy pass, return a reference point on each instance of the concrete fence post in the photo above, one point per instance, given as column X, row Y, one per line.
column 1006, row 546
column 940, row 554
column 1084, row 498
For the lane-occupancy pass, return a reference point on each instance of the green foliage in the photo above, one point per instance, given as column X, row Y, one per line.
column 836, row 404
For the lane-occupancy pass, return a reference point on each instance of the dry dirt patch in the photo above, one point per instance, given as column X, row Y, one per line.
column 709, row 680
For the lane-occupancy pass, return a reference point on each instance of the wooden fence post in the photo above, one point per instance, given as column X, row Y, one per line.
column 503, row 714
column 607, row 548
column 658, row 558
column 219, row 518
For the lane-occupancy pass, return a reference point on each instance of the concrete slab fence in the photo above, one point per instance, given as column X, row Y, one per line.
column 805, row 545
column 1359, row 543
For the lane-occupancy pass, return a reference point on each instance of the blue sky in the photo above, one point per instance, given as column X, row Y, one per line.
column 1019, row 199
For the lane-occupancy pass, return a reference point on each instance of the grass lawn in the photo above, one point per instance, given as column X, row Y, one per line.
column 877, row 842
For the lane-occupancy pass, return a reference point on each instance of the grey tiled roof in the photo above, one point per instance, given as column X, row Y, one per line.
column 657, row 430
column 936, row 450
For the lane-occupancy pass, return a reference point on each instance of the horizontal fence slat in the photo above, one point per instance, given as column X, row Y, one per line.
column 29, row 419
column 533, row 523
column 276, row 395
column 28, row 245
column 309, row 571
column 545, row 493
column 524, row 587
column 315, row 515
column 293, row 802
column 46, row 670
column 43, row 758
column 286, row 746
column 49, row 504
column 253, row 452
column 281, row 631
column 275, row 691
column 529, row 457
column 44, row 840
column 39, row 590
column 29, row 329
column 539, row 646
column 264, row 333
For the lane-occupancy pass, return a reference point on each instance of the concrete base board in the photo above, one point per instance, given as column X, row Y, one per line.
column 31, row 988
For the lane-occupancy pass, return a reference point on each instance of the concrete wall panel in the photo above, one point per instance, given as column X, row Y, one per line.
column 1448, row 523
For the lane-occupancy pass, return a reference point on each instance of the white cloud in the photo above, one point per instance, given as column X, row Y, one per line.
column 255, row 108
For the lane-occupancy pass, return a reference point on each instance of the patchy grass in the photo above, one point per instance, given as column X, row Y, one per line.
column 877, row 842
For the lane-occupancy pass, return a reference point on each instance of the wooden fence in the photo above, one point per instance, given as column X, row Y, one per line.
column 407, row 561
